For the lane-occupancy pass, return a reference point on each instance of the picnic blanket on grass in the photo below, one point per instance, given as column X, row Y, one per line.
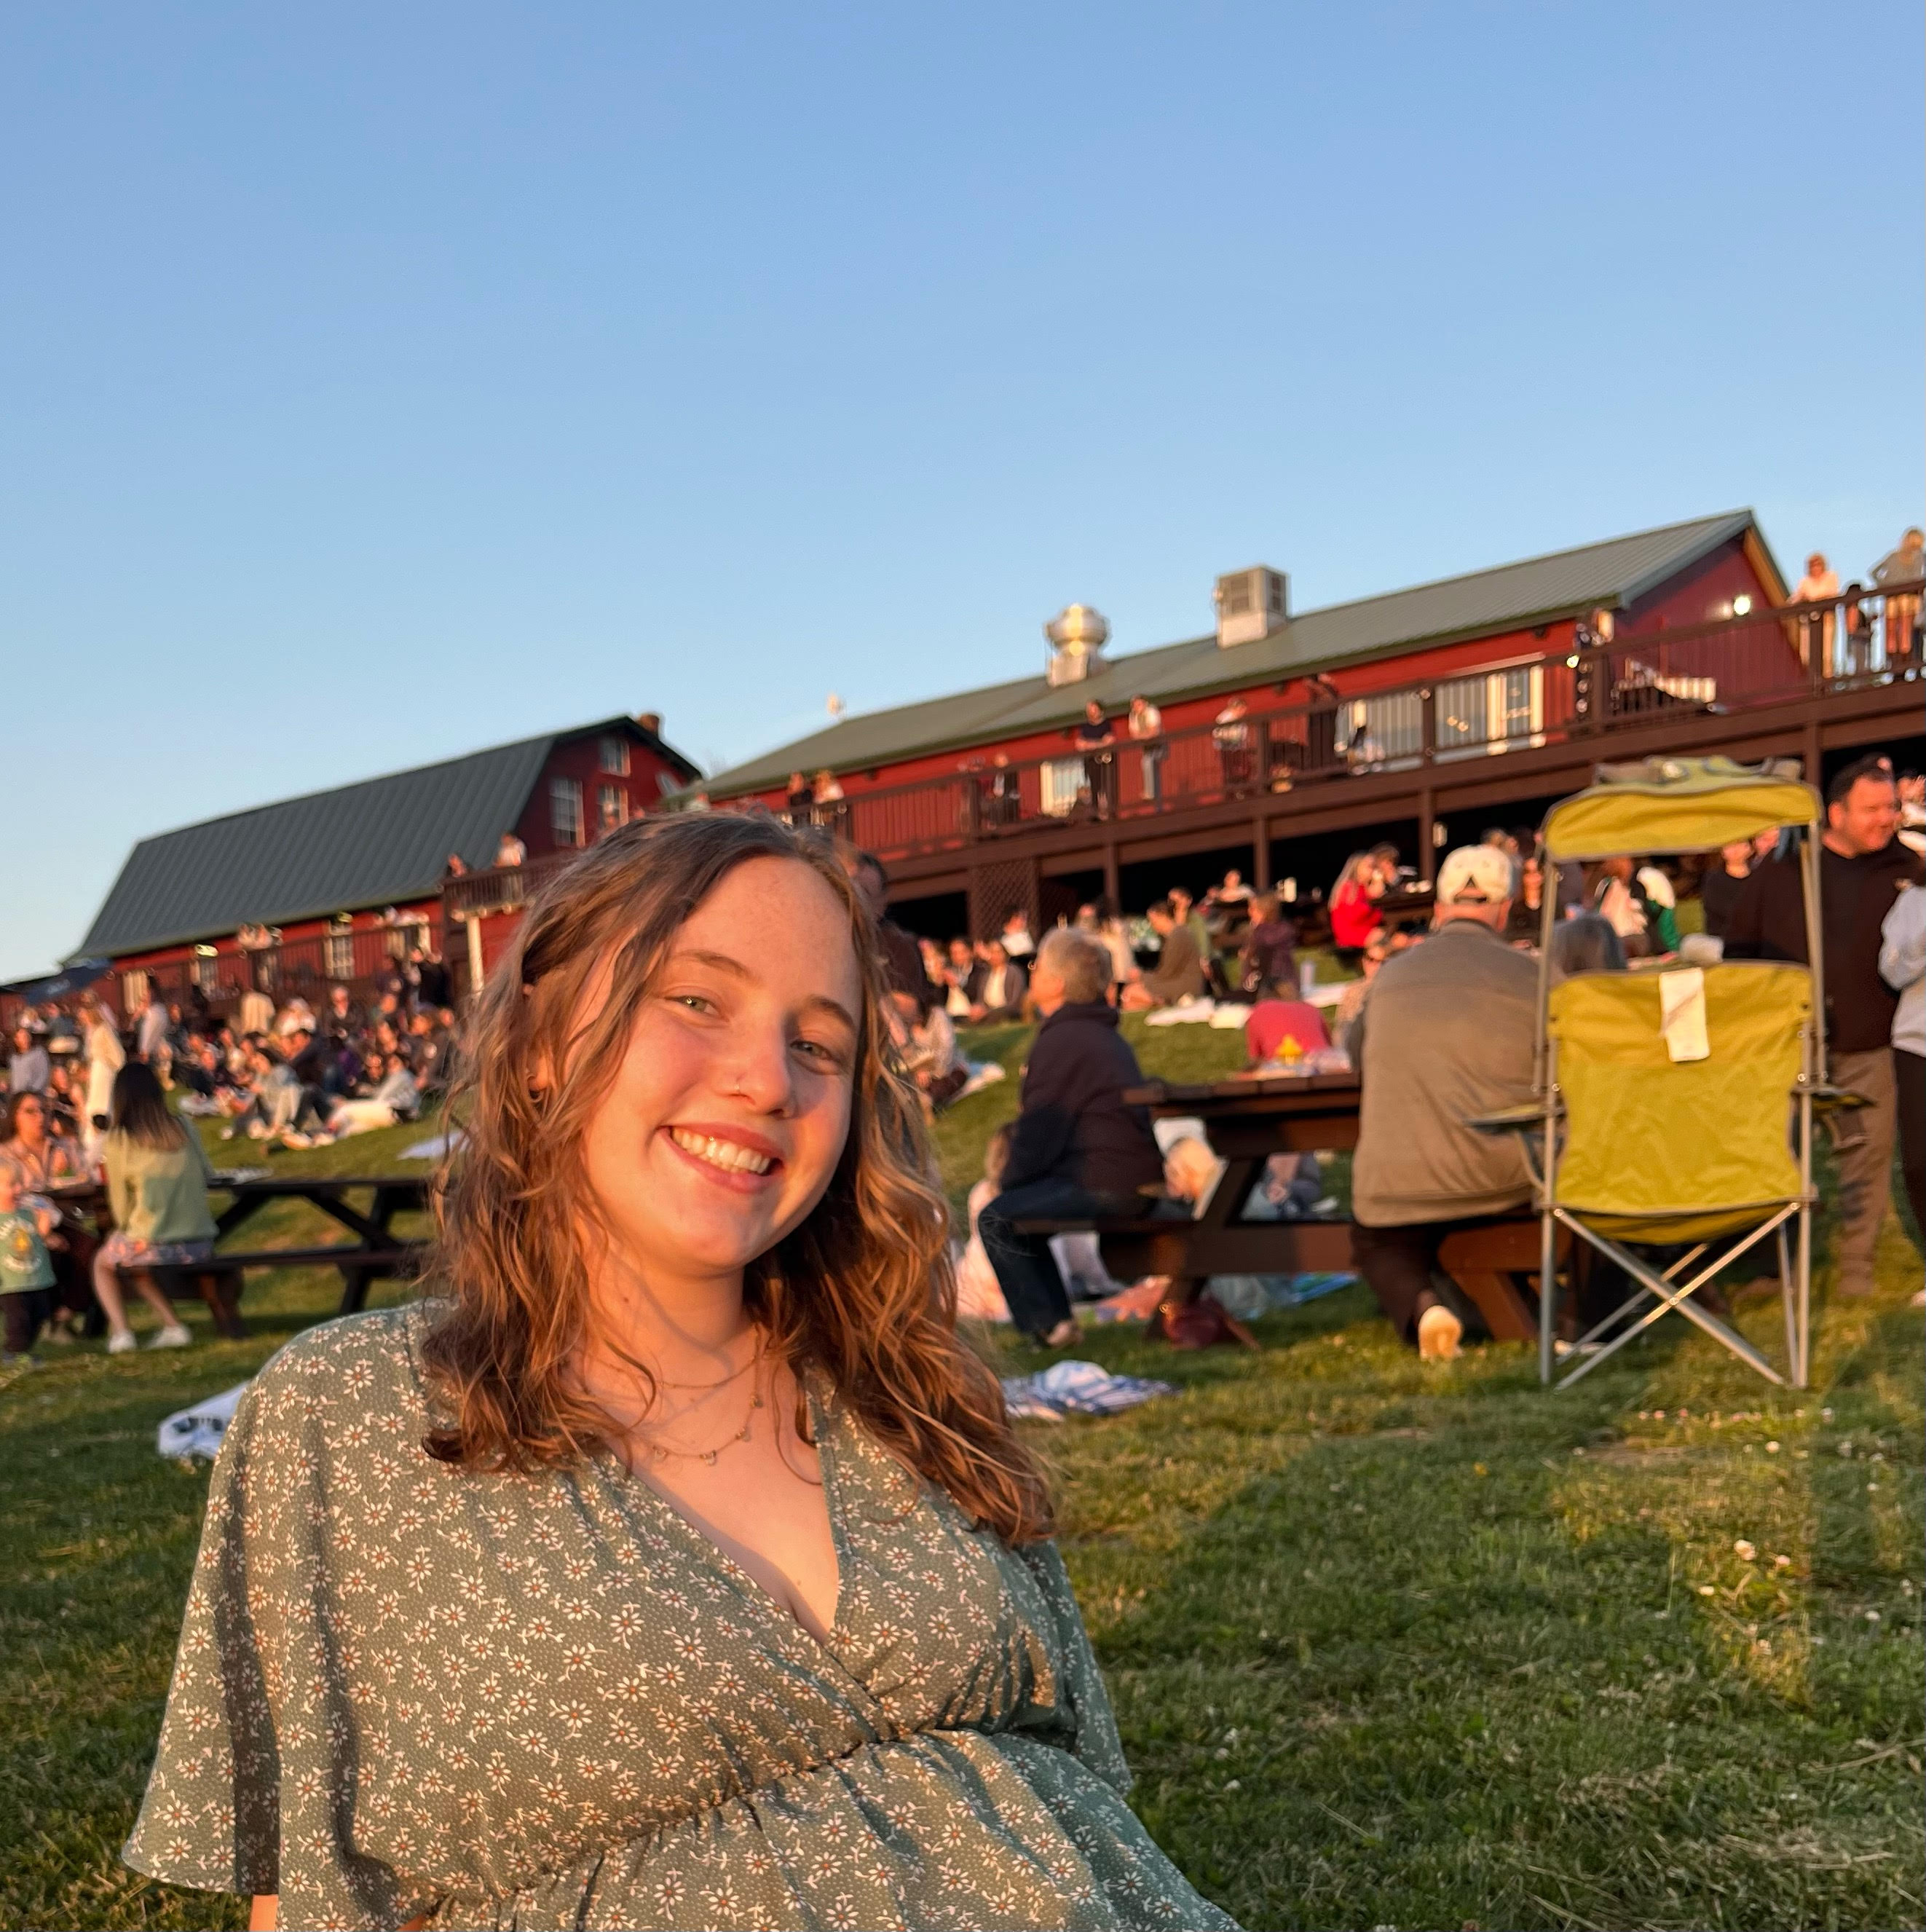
column 1078, row 1388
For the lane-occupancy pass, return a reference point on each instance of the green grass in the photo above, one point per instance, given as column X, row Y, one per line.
column 1389, row 1646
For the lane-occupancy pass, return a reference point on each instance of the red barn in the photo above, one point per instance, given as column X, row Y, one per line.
column 333, row 885
column 1408, row 717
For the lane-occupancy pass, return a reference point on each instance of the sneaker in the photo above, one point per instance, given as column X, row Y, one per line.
column 1439, row 1332
column 122, row 1343
column 294, row 1138
column 174, row 1335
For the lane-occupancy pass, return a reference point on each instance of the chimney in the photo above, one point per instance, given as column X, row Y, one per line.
column 1076, row 634
column 651, row 722
column 1251, row 605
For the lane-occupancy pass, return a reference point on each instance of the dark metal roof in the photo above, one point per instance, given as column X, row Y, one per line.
column 377, row 843
column 1540, row 589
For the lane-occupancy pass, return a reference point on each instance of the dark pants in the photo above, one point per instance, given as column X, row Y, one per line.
column 1908, row 1071
column 1026, row 1270
column 1400, row 1266
column 25, row 1312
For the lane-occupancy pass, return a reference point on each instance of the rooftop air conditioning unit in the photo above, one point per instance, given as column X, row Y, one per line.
column 1252, row 604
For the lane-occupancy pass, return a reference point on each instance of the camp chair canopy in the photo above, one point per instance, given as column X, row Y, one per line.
column 1676, row 805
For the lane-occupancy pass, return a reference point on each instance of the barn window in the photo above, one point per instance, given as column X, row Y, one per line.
column 615, row 757
column 611, row 807
column 338, row 951
column 565, row 811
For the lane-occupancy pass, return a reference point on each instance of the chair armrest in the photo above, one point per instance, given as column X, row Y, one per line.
column 1523, row 1118
column 1834, row 1099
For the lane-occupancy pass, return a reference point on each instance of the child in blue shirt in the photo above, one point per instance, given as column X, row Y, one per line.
column 26, row 1274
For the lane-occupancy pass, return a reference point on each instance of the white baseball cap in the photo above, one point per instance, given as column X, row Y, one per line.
column 1473, row 873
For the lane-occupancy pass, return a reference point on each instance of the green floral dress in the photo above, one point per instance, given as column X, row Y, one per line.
column 548, row 1701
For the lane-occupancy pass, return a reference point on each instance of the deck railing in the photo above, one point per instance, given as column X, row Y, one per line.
column 1603, row 686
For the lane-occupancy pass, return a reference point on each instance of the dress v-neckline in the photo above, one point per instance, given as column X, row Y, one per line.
column 834, row 1638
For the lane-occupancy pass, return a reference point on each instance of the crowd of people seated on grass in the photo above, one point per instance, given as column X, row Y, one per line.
column 93, row 1098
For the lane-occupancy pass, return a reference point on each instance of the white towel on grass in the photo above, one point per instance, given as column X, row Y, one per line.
column 198, row 1431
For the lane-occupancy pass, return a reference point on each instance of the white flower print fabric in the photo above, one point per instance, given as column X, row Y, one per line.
column 498, row 1700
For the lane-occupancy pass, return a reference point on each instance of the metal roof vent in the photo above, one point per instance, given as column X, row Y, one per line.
column 1076, row 634
column 1251, row 604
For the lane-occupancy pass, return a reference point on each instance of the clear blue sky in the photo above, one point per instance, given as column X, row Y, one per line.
column 380, row 382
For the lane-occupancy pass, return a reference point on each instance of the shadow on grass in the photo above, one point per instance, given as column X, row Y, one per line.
column 1391, row 1647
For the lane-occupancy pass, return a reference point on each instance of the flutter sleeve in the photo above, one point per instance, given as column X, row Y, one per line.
column 252, row 1787
column 1094, row 1739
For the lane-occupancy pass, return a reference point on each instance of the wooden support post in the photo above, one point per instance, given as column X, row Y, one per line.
column 1260, row 869
column 1112, row 891
column 1427, row 850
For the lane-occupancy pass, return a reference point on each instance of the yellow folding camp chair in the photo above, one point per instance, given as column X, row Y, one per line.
column 1675, row 1106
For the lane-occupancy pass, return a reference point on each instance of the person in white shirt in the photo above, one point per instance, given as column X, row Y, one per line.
column 1145, row 726
column 1820, row 585
column 1912, row 811
column 1903, row 966
column 105, row 1057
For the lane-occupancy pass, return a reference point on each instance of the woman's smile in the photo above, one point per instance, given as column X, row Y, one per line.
column 738, row 1160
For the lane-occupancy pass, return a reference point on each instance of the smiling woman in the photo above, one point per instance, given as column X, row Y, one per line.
column 673, row 1564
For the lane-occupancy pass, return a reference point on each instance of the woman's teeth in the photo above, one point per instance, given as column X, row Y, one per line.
column 724, row 1154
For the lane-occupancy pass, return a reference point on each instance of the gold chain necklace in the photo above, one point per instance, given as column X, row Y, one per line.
column 710, row 1388
column 661, row 1452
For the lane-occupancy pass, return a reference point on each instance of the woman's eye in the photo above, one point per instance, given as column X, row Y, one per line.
column 692, row 1003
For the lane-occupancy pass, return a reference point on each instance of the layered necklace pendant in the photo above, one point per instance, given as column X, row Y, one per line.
column 660, row 1453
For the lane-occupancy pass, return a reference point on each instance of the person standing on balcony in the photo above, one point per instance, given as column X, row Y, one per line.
column 831, row 810
column 1230, row 734
column 1321, row 726
column 510, row 851
column 1097, row 742
column 800, row 800
column 1820, row 585
column 1005, row 790
column 1900, row 573
column 1863, row 867
column 1145, row 726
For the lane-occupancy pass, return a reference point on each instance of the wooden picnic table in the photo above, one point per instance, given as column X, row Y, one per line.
column 1247, row 1120
column 375, row 1251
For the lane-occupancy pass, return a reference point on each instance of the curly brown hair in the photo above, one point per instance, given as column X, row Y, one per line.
column 863, row 1290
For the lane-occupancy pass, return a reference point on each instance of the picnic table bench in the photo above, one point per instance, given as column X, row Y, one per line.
column 1247, row 1119
column 375, row 1252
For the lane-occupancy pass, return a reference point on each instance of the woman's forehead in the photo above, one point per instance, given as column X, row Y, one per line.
column 782, row 924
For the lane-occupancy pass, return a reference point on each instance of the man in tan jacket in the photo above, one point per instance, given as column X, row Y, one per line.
column 1446, row 1034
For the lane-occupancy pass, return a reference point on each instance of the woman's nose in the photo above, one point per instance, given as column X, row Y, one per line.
column 762, row 1071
